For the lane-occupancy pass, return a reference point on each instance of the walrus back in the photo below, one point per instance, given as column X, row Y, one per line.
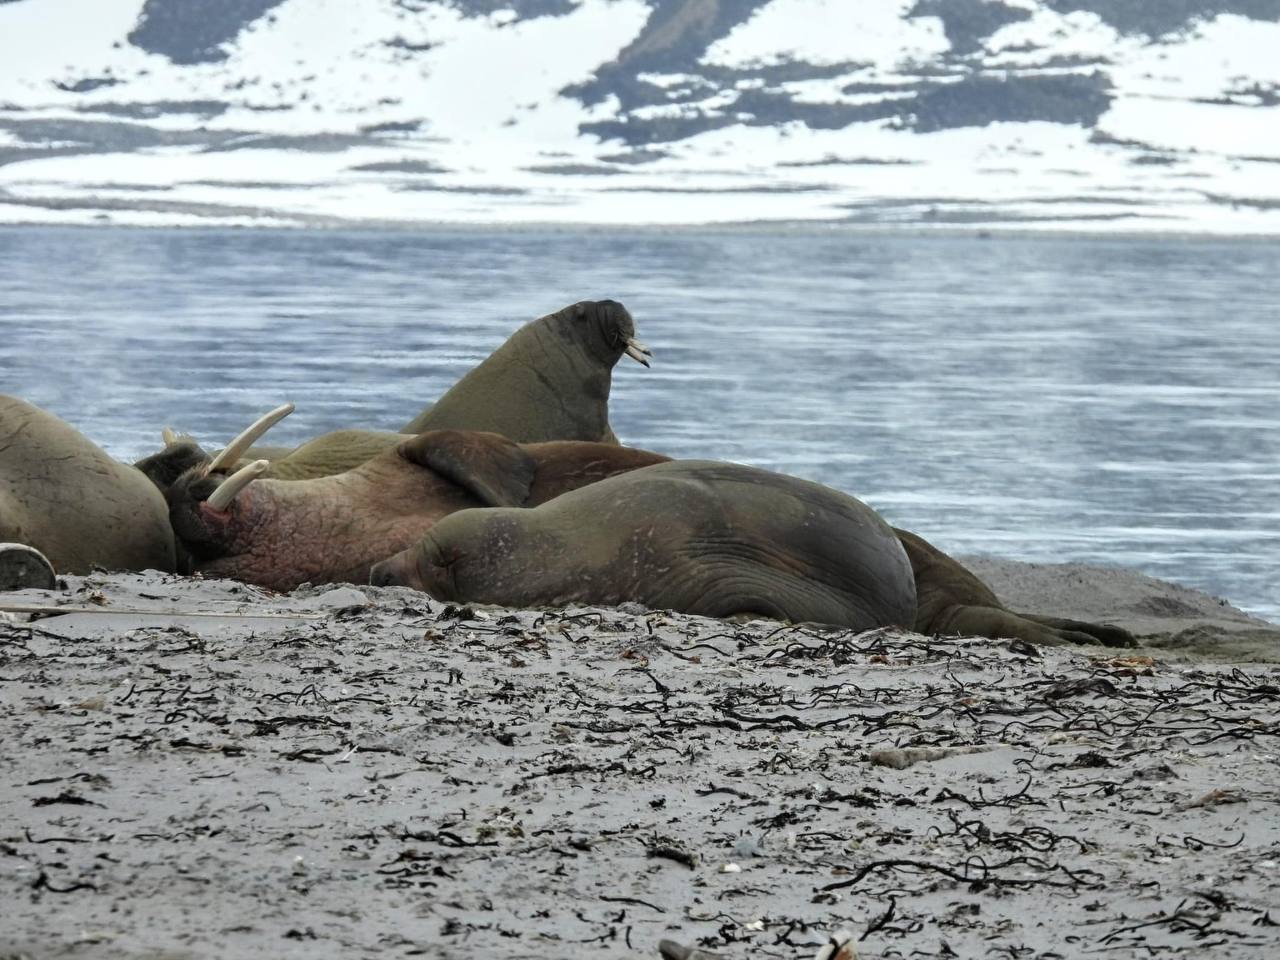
column 708, row 538
column 828, row 555
column 70, row 500
column 333, row 453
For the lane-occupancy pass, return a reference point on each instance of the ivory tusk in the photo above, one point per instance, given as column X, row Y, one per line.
column 169, row 436
column 637, row 351
column 236, row 448
column 230, row 488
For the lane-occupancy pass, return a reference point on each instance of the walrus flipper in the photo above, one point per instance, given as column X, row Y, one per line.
column 996, row 623
column 950, row 599
column 1102, row 633
column 493, row 469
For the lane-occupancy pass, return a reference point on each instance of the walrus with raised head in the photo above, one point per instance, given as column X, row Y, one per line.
column 549, row 381
column 66, row 497
column 695, row 536
column 281, row 533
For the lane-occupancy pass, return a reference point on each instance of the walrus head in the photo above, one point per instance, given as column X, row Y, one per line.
column 466, row 555
column 424, row 566
column 200, row 496
column 606, row 330
column 212, row 514
column 180, row 454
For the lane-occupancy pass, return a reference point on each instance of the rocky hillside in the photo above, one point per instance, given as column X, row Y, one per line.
column 1103, row 114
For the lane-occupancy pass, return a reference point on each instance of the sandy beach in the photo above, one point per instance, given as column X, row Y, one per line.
column 199, row 769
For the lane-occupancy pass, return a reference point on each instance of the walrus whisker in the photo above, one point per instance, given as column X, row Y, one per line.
column 230, row 488
column 251, row 435
column 637, row 351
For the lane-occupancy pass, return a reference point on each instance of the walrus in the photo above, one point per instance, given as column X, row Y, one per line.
column 549, row 381
column 66, row 497
column 694, row 536
column 952, row 600
column 281, row 533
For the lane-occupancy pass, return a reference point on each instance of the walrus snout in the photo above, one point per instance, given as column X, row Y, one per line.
column 397, row 571
column 422, row 567
column 615, row 327
column 230, row 487
column 199, row 509
column 383, row 574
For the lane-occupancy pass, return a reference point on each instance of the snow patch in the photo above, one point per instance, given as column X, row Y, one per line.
column 876, row 32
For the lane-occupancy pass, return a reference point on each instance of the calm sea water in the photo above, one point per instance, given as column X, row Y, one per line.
column 1104, row 400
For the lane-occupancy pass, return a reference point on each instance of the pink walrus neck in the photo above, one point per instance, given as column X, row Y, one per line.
column 281, row 533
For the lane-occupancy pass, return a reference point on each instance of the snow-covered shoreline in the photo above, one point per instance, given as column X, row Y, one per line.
column 1014, row 115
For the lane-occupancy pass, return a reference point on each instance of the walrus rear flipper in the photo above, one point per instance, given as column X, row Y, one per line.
column 996, row 623
column 1101, row 633
column 992, row 623
column 493, row 469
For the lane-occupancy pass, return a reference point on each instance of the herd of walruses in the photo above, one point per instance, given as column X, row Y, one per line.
column 511, row 489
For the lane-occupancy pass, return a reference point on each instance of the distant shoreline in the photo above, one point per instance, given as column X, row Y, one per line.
column 806, row 227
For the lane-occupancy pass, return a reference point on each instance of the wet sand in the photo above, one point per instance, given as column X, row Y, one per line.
column 365, row 772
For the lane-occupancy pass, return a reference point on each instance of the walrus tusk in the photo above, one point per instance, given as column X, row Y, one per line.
column 230, row 488
column 236, row 448
column 637, row 351
column 169, row 436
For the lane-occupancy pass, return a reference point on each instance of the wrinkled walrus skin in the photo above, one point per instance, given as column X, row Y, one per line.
column 63, row 495
column 281, row 533
column 694, row 536
column 549, row 381
column 950, row 600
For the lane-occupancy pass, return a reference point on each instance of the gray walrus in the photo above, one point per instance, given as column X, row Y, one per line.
column 65, row 496
column 695, row 536
column 279, row 534
column 549, row 381
column 951, row 600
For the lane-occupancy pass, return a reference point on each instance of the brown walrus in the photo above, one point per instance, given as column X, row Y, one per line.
column 280, row 534
column 549, row 381
column 951, row 600
column 66, row 497
column 695, row 536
